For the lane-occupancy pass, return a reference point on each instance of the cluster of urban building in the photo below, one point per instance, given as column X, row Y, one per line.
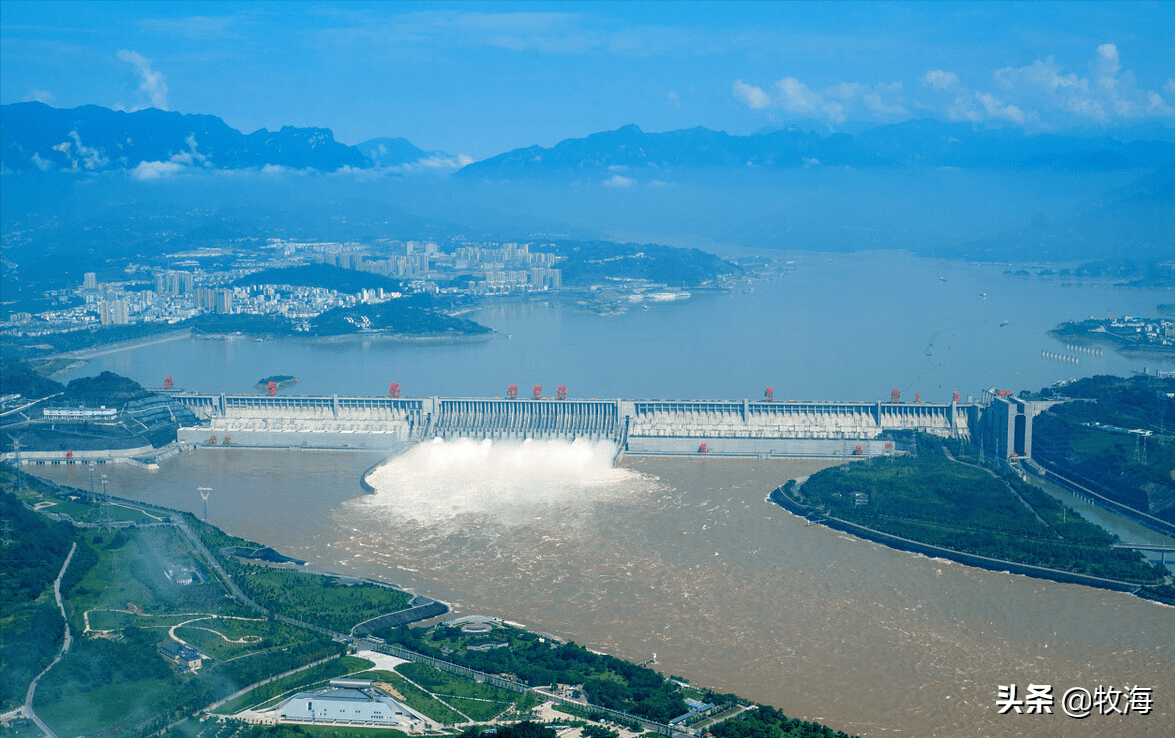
column 479, row 269
column 202, row 281
column 1140, row 331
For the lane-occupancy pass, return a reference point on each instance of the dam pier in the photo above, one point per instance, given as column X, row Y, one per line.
column 641, row 427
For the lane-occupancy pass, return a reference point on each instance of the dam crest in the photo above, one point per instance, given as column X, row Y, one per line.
column 642, row 427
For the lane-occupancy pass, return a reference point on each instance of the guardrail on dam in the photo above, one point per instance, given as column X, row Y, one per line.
column 636, row 426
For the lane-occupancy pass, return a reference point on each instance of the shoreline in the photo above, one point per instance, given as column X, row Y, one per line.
column 1120, row 346
column 67, row 361
column 91, row 352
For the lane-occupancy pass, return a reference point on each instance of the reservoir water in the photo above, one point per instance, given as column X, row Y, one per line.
column 685, row 557
column 841, row 327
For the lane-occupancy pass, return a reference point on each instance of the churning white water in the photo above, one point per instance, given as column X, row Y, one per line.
column 511, row 483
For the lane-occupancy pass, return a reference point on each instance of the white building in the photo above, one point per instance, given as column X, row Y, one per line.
column 352, row 703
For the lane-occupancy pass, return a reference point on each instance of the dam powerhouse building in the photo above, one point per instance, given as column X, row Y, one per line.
column 1000, row 424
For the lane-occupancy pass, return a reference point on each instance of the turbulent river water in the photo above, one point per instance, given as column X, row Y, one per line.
column 686, row 559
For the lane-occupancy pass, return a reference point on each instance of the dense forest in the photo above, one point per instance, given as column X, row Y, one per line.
column 31, row 624
column 108, row 388
column 1114, row 435
column 767, row 722
column 392, row 317
column 592, row 262
column 18, row 378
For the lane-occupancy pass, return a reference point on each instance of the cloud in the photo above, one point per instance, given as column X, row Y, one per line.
column 177, row 164
column 753, row 97
column 43, row 164
column 1041, row 95
column 444, row 162
column 617, row 181
column 1107, row 95
column 833, row 104
column 152, row 87
column 674, row 100
column 997, row 109
column 79, row 155
column 40, row 96
column 941, row 80
column 148, row 170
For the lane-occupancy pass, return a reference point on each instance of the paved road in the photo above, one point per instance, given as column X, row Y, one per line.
column 28, row 698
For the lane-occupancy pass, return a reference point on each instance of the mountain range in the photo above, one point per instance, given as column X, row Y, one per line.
column 36, row 137
column 911, row 144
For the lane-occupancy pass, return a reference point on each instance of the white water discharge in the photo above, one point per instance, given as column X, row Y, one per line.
column 467, row 483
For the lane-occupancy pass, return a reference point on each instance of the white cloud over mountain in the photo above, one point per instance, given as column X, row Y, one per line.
column 1038, row 96
column 152, row 86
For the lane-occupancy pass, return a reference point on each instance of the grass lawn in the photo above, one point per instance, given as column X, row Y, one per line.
column 328, row 601
column 423, row 702
column 257, row 636
column 113, row 620
column 478, row 710
column 445, row 683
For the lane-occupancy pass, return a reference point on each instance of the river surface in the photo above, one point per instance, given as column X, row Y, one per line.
column 842, row 327
column 686, row 559
column 683, row 557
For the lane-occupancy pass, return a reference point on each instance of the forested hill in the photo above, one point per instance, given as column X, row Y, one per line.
column 34, row 549
column 592, row 262
column 1115, row 435
column 951, row 502
column 347, row 281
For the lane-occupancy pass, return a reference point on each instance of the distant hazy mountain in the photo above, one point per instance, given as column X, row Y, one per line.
column 919, row 143
column 1132, row 223
column 401, row 155
column 37, row 137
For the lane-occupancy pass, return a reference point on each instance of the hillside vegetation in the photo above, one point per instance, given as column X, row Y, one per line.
column 930, row 498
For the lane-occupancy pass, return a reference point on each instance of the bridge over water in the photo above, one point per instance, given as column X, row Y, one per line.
column 636, row 426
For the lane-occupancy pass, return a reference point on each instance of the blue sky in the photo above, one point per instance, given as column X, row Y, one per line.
column 483, row 78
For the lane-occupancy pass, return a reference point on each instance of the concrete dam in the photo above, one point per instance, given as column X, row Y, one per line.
column 642, row 427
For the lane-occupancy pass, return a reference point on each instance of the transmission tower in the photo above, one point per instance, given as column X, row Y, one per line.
column 19, row 476
column 1140, row 450
column 104, row 517
column 204, row 491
